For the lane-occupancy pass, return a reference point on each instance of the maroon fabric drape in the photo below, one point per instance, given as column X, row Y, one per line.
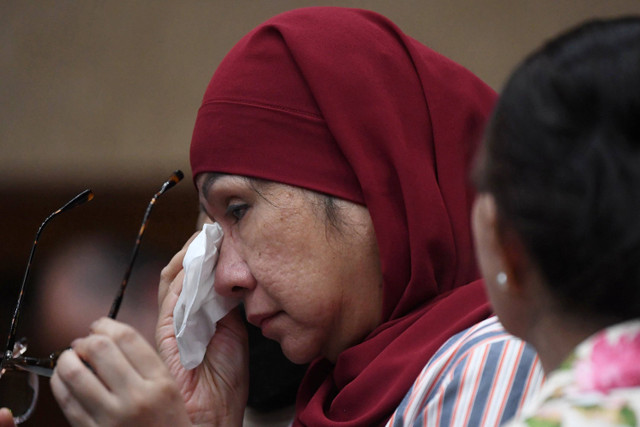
column 340, row 101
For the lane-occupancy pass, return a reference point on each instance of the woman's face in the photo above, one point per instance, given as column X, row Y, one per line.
column 314, row 287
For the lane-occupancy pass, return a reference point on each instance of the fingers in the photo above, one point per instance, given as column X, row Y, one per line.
column 171, row 280
column 171, row 270
column 233, row 325
column 228, row 350
column 165, row 335
column 6, row 418
column 77, row 390
column 114, row 377
column 168, row 303
column 119, row 354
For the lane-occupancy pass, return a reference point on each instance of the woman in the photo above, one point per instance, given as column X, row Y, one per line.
column 556, row 221
column 333, row 151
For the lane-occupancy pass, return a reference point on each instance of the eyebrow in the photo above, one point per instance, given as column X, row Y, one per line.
column 209, row 180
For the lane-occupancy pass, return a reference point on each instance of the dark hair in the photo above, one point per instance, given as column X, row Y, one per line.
column 562, row 159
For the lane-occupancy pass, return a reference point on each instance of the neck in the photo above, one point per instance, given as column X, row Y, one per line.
column 555, row 333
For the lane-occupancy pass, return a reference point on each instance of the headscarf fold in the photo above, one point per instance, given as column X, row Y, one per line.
column 340, row 101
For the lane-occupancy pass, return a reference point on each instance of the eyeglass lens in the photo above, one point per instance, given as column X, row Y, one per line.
column 19, row 392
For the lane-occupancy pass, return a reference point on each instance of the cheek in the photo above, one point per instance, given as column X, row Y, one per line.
column 288, row 254
column 297, row 279
column 280, row 243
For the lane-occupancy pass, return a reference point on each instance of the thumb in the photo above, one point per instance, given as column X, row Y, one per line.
column 6, row 418
column 171, row 270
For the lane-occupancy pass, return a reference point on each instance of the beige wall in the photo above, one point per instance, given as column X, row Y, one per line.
column 95, row 92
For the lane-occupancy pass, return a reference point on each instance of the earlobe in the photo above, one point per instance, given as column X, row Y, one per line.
column 502, row 280
column 497, row 248
column 505, row 276
column 514, row 257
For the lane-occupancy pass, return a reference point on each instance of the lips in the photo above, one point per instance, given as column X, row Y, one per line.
column 261, row 320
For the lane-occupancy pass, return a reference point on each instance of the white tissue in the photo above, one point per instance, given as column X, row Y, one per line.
column 199, row 307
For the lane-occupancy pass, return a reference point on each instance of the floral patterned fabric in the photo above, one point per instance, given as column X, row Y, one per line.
column 597, row 385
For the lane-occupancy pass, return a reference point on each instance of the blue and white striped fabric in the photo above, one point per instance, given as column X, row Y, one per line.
column 481, row 376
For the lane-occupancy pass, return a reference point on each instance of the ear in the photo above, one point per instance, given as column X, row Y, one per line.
column 499, row 247
column 485, row 224
column 515, row 256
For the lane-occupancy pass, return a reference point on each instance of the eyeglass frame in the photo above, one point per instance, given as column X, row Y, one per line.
column 12, row 358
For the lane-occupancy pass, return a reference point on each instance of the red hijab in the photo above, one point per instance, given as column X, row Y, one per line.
column 340, row 101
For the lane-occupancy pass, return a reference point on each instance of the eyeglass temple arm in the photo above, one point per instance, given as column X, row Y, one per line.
column 175, row 178
column 81, row 198
column 42, row 367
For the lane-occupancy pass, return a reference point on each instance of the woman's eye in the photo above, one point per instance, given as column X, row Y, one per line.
column 237, row 211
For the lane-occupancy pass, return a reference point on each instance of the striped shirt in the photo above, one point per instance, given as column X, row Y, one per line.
column 481, row 376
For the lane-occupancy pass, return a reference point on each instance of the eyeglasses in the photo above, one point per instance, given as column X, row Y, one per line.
column 19, row 373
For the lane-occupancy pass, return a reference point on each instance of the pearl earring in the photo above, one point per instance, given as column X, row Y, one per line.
column 501, row 278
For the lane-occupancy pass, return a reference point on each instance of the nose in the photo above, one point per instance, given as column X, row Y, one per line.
column 232, row 276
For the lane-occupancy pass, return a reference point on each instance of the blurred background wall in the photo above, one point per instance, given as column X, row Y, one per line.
column 103, row 95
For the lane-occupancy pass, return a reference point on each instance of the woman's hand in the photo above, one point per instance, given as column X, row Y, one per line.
column 6, row 418
column 215, row 393
column 127, row 384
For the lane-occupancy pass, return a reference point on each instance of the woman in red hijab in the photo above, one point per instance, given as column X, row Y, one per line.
column 333, row 150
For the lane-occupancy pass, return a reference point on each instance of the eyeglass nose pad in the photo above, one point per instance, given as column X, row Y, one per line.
column 20, row 347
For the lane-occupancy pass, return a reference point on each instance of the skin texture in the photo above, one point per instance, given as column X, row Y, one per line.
column 302, row 281
column 133, row 385
column 215, row 393
column 313, row 285
column 128, row 375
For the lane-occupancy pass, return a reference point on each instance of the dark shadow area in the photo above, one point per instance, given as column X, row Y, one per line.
column 79, row 264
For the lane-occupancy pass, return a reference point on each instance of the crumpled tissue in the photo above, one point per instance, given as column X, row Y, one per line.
column 199, row 306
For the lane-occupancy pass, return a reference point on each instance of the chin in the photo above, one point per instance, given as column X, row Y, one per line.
column 298, row 354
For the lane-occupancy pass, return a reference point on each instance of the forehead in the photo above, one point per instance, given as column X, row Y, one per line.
column 214, row 185
column 206, row 181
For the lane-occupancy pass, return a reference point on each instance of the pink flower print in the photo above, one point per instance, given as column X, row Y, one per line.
column 611, row 364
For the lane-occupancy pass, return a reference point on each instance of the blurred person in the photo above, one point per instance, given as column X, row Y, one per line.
column 333, row 150
column 82, row 278
column 556, row 221
column 76, row 282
